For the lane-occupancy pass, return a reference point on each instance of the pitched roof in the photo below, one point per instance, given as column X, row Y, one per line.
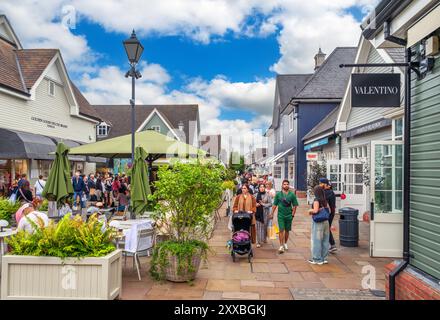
column 85, row 107
column 9, row 69
column 326, row 125
column 289, row 85
column 33, row 62
column 330, row 81
column 119, row 116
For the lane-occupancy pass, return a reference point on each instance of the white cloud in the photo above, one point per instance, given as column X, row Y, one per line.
column 301, row 27
column 109, row 86
column 38, row 24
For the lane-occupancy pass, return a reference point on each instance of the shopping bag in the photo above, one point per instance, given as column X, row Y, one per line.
column 13, row 197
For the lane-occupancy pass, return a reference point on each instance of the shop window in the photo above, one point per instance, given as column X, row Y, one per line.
column 291, row 121
column 51, row 88
column 398, row 129
column 44, row 167
column 21, row 166
column 281, row 132
column 277, row 172
column 291, row 170
column 5, row 176
column 358, row 152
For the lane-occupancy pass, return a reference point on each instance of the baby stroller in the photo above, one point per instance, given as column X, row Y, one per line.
column 241, row 237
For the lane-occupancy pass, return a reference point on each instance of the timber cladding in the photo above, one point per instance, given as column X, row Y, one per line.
column 425, row 172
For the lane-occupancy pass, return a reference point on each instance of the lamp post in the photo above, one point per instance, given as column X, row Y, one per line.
column 134, row 50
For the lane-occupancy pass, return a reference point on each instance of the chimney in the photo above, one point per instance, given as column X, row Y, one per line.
column 319, row 58
column 181, row 125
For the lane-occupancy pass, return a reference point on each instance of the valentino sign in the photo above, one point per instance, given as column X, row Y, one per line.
column 375, row 90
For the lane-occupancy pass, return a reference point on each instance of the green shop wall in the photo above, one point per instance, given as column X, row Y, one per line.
column 425, row 172
column 156, row 121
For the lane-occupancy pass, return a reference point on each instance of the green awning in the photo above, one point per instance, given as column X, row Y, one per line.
column 152, row 142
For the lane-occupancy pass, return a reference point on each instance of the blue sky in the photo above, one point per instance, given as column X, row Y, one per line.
column 238, row 58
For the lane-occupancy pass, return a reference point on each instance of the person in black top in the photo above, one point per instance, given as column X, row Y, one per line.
column 331, row 199
column 24, row 193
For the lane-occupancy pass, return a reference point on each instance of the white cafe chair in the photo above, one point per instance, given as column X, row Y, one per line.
column 142, row 237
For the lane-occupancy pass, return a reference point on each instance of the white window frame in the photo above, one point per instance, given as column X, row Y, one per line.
column 291, row 121
column 394, row 137
column 155, row 128
column 358, row 152
column 104, row 127
column 277, row 168
column 281, row 132
column 51, row 85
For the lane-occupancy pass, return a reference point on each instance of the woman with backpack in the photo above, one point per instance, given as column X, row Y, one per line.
column 320, row 213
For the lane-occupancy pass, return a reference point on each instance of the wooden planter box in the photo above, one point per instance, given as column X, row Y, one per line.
column 40, row 278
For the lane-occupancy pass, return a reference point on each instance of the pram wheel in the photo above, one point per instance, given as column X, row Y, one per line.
column 233, row 256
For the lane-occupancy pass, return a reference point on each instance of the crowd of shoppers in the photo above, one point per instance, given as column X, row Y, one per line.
column 258, row 197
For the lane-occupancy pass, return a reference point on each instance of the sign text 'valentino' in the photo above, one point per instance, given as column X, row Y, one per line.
column 375, row 90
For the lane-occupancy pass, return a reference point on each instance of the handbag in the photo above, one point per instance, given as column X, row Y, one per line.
column 322, row 215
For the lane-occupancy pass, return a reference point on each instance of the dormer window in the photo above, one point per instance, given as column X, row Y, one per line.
column 51, row 88
column 155, row 128
column 102, row 130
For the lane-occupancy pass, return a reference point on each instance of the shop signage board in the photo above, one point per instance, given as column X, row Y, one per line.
column 371, row 90
column 315, row 144
column 312, row 156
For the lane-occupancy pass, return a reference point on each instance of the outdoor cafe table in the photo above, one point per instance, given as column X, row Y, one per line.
column 128, row 226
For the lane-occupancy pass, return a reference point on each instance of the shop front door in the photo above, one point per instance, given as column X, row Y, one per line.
column 386, row 220
column 347, row 177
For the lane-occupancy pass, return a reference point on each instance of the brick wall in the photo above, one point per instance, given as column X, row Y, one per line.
column 412, row 285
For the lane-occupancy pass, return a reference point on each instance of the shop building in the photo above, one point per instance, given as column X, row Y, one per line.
column 180, row 122
column 415, row 27
column 40, row 106
column 301, row 102
column 370, row 168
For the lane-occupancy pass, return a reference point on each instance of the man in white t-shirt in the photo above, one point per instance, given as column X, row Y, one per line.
column 39, row 186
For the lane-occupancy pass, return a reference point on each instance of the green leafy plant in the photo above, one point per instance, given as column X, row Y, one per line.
column 317, row 170
column 228, row 185
column 7, row 209
column 68, row 238
column 187, row 195
column 44, row 205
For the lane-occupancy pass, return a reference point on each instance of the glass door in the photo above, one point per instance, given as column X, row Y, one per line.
column 386, row 222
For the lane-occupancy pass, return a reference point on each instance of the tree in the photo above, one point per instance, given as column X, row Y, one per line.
column 236, row 162
column 317, row 170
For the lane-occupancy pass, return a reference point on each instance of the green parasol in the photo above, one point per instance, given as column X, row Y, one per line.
column 140, row 188
column 59, row 186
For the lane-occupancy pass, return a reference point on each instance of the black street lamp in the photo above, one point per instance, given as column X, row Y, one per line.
column 134, row 50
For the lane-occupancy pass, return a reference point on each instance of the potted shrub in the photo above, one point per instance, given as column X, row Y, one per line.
column 8, row 209
column 69, row 260
column 187, row 195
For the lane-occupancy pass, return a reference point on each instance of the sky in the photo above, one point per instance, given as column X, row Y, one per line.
column 220, row 54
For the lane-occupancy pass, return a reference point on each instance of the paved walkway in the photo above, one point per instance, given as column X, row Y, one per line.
column 273, row 276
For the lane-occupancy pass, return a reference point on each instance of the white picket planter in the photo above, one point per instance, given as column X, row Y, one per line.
column 41, row 278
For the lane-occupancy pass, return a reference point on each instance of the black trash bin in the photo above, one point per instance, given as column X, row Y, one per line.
column 348, row 227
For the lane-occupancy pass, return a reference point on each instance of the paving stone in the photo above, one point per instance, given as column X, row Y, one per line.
column 277, row 268
column 256, row 283
column 212, row 295
column 223, row 285
column 332, row 294
column 241, row 295
column 274, row 275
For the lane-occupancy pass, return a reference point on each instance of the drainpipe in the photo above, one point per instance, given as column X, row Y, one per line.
column 406, row 174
